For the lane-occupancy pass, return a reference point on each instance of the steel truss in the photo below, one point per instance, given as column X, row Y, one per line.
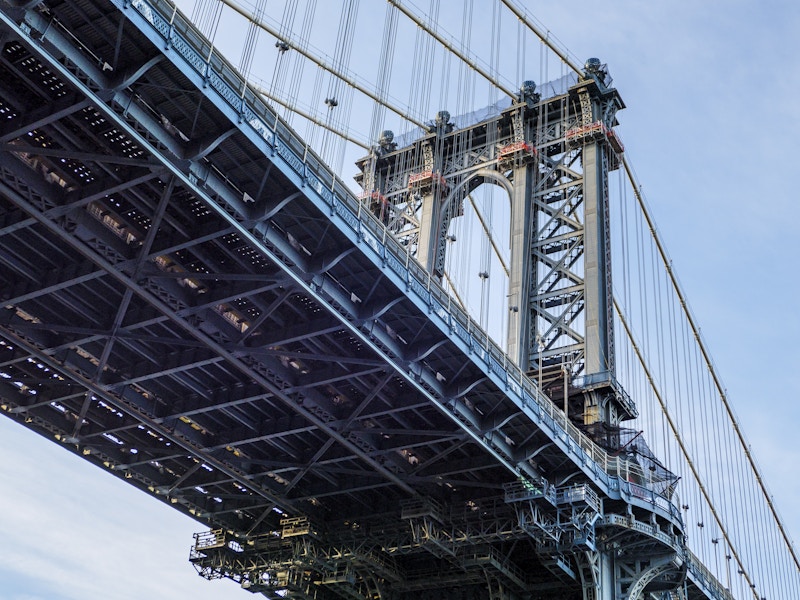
column 552, row 156
column 192, row 302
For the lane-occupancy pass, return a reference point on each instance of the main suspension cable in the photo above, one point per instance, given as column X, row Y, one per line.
column 677, row 435
column 706, row 356
column 451, row 48
column 322, row 64
column 309, row 117
column 546, row 39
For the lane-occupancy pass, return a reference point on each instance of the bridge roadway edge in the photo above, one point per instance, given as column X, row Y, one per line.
column 357, row 230
column 522, row 389
column 367, row 239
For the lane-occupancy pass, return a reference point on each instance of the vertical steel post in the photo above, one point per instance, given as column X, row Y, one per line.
column 519, row 282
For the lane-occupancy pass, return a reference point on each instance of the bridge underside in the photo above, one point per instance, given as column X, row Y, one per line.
column 176, row 311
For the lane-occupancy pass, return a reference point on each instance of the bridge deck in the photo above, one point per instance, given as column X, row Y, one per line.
column 192, row 301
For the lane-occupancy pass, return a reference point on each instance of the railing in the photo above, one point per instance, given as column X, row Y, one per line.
column 267, row 128
column 580, row 493
column 518, row 491
column 703, row 577
column 648, row 529
column 607, row 378
column 209, row 539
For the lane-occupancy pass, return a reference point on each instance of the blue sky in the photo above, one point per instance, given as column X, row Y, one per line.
column 711, row 128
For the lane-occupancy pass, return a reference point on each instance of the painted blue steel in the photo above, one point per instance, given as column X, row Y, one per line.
column 362, row 230
column 322, row 188
column 336, row 200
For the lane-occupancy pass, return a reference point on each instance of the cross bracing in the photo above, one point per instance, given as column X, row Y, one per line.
column 163, row 361
column 298, row 282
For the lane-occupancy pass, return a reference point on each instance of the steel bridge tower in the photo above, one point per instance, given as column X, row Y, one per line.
column 274, row 368
column 552, row 158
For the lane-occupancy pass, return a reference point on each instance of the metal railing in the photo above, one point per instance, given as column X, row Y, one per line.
column 705, row 578
column 263, row 126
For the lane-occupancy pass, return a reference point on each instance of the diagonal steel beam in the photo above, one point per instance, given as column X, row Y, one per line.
column 41, row 116
column 155, row 223
column 126, row 280
column 78, row 155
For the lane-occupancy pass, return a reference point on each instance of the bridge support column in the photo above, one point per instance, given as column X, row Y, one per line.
column 608, row 581
column 599, row 365
column 597, row 270
column 432, row 187
column 597, row 575
column 519, row 282
column 429, row 231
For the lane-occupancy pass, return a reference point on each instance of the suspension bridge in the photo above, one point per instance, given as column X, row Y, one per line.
column 469, row 372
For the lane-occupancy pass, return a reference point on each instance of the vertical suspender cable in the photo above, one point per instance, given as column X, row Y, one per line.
column 296, row 64
column 707, row 358
column 348, row 79
column 546, row 38
column 451, row 47
column 385, row 64
column 677, row 435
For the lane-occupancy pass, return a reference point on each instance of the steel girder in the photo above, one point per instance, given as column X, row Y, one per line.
column 179, row 312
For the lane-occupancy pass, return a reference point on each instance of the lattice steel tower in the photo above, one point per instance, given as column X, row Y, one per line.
column 552, row 157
